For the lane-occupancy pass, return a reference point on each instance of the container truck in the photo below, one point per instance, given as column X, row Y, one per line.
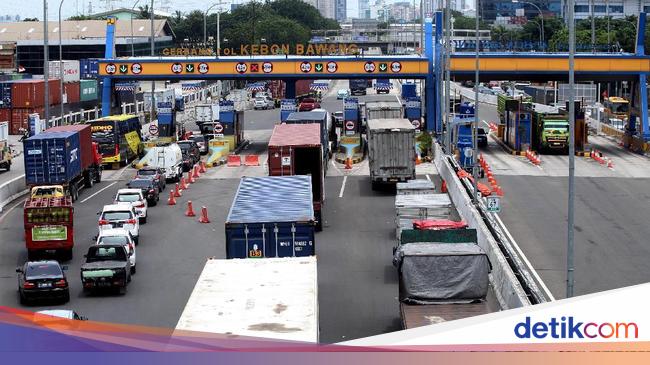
column 358, row 86
column 441, row 282
column 391, row 151
column 386, row 109
column 383, row 86
column 273, row 298
column 206, row 113
column 63, row 156
column 295, row 149
column 271, row 217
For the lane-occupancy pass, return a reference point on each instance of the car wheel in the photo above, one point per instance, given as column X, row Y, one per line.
column 143, row 220
column 133, row 270
column 66, row 297
column 23, row 300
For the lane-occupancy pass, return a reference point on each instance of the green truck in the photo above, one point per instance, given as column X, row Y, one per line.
column 552, row 132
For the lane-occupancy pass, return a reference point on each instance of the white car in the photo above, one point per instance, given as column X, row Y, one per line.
column 120, row 216
column 263, row 102
column 119, row 236
column 136, row 199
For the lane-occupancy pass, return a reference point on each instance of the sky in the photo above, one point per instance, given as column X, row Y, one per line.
column 34, row 8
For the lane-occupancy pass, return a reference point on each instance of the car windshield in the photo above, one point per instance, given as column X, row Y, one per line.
column 114, row 240
column 99, row 253
column 184, row 146
column 117, row 216
column 140, row 183
column 308, row 100
column 40, row 270
column 146, row 172
column 128, row 197
column 556, row 126
column 198, row 138
column 259, row 98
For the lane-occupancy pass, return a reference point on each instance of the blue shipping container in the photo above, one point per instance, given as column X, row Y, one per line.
column 271, row 217
column 52, row 158
column 5, row 94
column 88, row 68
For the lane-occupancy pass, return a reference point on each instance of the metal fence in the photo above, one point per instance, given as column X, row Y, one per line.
column 586, row 93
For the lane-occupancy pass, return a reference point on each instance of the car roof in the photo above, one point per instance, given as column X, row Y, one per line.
column 120, row 207
column 132, row 191
column 62, row 313
column 112, row 232
column 43, row 262
column 149, row 168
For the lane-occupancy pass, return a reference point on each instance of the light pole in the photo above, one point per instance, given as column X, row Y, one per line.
column 570, row 213
column 61, row 61
column 205, row 22
column 135, row 99
column 476, row 103
column 153, row 83
column 46, row 61
column 539, row 27
column 541, row 15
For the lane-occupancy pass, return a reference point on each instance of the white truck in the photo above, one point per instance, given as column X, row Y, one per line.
column 391, row 151
column 206, row 115
column 168, row 158
column 271, row 298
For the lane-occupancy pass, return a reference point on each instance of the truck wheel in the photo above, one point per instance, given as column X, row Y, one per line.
column 74, row 193
column 88, row 181
column 375, row 186
column 98, row 176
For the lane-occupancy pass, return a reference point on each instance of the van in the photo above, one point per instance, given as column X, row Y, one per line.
column 168, row 158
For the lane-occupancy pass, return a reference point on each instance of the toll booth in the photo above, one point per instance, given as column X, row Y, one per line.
column 463, row 133
column 232, row 123
column 518, row 129
column 166, row 119
column 287, row 106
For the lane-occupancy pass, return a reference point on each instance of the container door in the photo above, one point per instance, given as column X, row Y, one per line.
column 248, row 242
column 293, row 239
column 282, row 161
column 56, row 159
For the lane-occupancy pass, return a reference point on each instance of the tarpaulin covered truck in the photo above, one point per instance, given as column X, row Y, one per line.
column 64, row 156
column 295, row 149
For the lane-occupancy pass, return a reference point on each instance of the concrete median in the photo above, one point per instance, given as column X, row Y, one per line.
column 11, row 190
column 509, row 291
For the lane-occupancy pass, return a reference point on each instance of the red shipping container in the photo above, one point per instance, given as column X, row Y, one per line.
column 85, row 140
column 5, row 115
column 30, row 93
column 303, row 88
column 20, row 118
column 71, row 89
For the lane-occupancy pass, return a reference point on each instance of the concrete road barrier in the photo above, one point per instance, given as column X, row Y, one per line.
column 11, row 190
column 507, row 288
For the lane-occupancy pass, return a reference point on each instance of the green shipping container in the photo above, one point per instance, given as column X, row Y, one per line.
column 88, row 90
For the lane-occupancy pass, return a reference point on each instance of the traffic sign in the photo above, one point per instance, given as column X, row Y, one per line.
column 218, row 128
column 241, row 67
column 136, row 68
column 255, row 67
column 332, row 67
column 369, row 66
column 318, row 67
column 203, row 68
column 383, row 67
column 396, row 66
column 349, row 125
column 124, row 69
column 493, row 204
column 177, row 68
column 110, row 68
column 189, row 68
column 153, row 130
column 416, row 123
column 267, row 67
column 305, row 67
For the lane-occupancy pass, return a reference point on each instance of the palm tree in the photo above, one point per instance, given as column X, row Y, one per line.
column 144, row 12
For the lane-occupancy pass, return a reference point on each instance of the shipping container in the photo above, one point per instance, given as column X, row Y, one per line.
column 85, row 140
column 88, row 90
column 271, row 217
column 415, row 187
column 70, row 70
column 320, row 116
column 422, row 206
column 52, row 158
column 303, row 88
column 272, row 298
column 20, row 118
column 383, row 109
column 5, row 115
column 5, row 94
column 71, row 91
column 391, row 150
column 295, row 149
column 88, row 68
column 31, row 93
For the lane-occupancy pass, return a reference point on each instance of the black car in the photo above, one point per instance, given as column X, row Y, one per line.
column 39, row 280
column 191, row 154
column 481, row 137
column 107, row 266
column 149, row 189
column 152, row 173
column 201, row 142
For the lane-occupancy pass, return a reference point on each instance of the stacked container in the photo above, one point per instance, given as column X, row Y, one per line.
column 420, row 206
column 28, row 97
column 68, row 72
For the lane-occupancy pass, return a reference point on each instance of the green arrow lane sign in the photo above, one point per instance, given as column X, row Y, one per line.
column 123, row 69
column 189, row 67
column 383, row 67
column 318, row 67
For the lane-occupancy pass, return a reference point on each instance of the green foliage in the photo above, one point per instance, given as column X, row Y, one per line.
column 81, row 17
column 463, row 22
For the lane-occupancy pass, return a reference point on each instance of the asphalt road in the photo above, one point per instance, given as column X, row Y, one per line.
column 357, row 284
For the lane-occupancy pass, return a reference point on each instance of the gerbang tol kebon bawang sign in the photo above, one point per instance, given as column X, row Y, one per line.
column 268, row 49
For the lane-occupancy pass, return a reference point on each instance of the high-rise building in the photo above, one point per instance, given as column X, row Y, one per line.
column 326, row 8
column 364, row 9
column 340, row 10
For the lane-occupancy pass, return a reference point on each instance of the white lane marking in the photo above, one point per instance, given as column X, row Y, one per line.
column 525, row 259
column 428, row 178
column 345, row 179
column 10, row 209
column 100, row 190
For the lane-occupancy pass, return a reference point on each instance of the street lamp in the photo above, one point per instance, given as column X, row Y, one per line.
column 539, row 27
column 60, row 61
column 153, row 83
column 541, row 15
column 133, row 10
column 46, row 57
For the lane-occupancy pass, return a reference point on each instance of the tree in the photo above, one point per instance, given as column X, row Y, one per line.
column 144, row 12
column 30, row 19
column 81, row 17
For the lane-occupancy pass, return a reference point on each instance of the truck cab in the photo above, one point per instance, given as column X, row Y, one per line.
column 555, row 134
column 47, row 191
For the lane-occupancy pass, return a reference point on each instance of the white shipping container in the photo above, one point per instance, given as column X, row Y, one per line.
column 4, row 131
column 271, row 298
column 207, row 112
column 70, row 70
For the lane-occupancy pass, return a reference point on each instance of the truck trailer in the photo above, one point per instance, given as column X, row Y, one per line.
column 391, row 151
column 273, row 298
column 63, row 156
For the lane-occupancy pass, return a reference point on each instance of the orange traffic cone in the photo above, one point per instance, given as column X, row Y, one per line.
column 348, row 163
column 202, row 167
column 610, row 164
column 417, row 159
column 177, row 191
column 183, row 185
column 204, row 215
column 195, row 172
column 443, row 188
column 190, row 178
column 172, row 199
column 499, row 191
column 190, row 211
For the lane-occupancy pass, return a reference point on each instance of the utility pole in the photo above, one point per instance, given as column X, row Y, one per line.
column 46, row 61
column 61, row 61
column 593, row 28
column 153, row 82
column 572, row 118
column 447, row 74
column 476, row 104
